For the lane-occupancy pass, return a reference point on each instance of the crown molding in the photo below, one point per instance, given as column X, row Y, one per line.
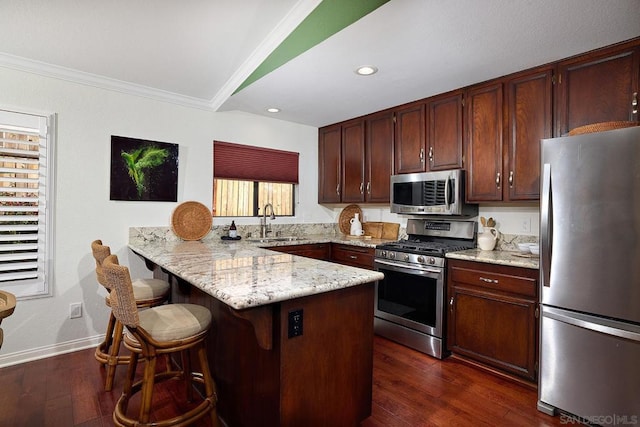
column 101, row 82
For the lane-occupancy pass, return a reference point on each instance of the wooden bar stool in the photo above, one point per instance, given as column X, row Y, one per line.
column 160, row 330
column 147, row 293
column 7, row 306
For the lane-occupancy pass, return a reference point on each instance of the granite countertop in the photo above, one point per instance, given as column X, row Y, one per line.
column 244, row 274
column 515, row 259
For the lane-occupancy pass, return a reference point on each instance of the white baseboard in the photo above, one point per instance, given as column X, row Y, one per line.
column 49, row 351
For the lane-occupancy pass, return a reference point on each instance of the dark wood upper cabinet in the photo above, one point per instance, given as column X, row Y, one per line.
column 410, row 143
column 444, row 132
column 484, row 142
column 379, row 152
column 329, row 161
column 598, row 87
column 530, row 119
column 492, row 129
column 353, row 161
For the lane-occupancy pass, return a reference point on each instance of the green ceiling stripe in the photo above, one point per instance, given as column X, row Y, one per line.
column 327, row 18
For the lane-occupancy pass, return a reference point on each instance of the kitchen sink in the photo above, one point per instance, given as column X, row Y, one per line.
column 276, row 239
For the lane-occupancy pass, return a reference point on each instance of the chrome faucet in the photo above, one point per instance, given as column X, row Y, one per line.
column 263, row 221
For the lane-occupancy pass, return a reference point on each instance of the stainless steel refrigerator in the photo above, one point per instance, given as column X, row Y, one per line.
column 590, row 277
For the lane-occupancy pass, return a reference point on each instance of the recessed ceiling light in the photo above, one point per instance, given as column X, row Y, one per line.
column 273, row 110
column 366, row 70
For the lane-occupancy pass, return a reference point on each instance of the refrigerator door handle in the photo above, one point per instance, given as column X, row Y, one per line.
column 546, row 225
column 605, row 326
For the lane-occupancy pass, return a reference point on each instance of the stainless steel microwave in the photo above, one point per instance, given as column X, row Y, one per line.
column 430, row 193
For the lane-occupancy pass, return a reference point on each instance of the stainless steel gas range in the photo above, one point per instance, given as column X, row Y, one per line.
column 409, row 304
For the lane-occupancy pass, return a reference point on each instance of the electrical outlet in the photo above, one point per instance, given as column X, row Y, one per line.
column 525, row 226
column 295, row 323
column 75, row 310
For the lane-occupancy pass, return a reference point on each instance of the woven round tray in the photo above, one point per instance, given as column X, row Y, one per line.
column 191, row 220
column 345, row 218
column 600, row 127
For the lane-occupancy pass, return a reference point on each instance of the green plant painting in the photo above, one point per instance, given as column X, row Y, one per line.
column 143, row 170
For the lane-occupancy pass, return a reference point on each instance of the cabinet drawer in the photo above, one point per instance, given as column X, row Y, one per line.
column 507, row 281
column 312, row 250
column 353, row 255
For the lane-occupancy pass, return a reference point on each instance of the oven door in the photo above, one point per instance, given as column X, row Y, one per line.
column 411, row 296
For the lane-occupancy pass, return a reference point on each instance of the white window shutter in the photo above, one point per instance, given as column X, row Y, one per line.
column 24, row 219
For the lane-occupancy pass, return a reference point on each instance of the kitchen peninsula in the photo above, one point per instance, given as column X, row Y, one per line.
column 292, row 341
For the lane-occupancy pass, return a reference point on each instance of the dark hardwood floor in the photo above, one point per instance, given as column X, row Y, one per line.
column 409, row 389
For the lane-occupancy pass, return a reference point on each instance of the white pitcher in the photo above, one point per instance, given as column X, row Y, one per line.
column 488, row 239
column 356, row 225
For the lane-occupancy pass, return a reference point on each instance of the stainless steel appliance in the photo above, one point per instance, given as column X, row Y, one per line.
column 590, row 277
column 431, row 193
column 409, row 303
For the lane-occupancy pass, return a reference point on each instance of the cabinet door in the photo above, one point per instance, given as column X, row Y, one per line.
column 495, row 329
column 329, row 161
column 379, row 164
column 353, row 161
column 410, row 150
column 598, row 87
column 444, row 132
column 484, row 143
column 529, row 106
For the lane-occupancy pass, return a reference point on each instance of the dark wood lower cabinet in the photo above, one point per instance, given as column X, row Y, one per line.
column 313, row 250
column 492, row 316
column 355, row 256
column 322, row 377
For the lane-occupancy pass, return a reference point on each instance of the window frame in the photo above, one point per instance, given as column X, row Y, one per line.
column 42, row 286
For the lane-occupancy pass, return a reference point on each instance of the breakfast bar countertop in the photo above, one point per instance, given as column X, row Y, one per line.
column 244, row 275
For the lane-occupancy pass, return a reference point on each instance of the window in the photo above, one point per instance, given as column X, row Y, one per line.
column 246, row 178
column 26, row 192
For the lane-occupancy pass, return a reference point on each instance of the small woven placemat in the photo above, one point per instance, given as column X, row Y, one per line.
column 191, row 220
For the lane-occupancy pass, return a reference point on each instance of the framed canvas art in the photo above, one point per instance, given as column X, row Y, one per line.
column 143, row 170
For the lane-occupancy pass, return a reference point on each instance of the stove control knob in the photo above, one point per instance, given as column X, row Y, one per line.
column 420, row 259
column 432, row 260
column 406, row 257
column 392, row 255
column 383, row 254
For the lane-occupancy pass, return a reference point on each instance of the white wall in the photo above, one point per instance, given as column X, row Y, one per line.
column 87, row 117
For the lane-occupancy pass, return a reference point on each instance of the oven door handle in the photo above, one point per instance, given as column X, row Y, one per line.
column 409, row 267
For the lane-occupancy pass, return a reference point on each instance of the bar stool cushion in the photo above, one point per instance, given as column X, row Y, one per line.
column 173, row 321
column 148, row 289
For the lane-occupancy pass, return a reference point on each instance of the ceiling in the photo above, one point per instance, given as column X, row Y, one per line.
column 199, row 52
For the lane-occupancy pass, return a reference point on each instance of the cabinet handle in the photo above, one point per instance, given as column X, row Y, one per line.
column 431, row 154
column 634, row 103
column 338, row 179
column 498, row 177
column 422, row 154
column 451, row 304
column 484, row 279
column 362, row 188
column 369, row 188
column 338, row 189
column 511, row 179
column 353, row 256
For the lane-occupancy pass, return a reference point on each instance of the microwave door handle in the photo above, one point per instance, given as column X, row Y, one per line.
column 446, row 191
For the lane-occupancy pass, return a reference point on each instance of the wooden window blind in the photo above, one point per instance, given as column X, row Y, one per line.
column 246, row 162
